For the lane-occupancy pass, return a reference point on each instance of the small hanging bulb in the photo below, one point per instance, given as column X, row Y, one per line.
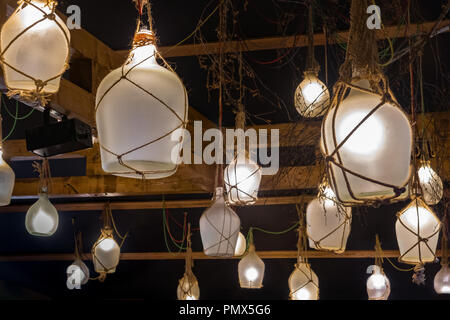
column 242, row 178
column 42, row 218
column 312, row 97
column 241, row 245
column 442, row 280
column 303, row 282
column 106, row 253
column 251, row 270
column 188, row 288
column 430, row 183
column 378, row 285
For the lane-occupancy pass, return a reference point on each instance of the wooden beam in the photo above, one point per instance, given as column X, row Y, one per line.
column 92, row 207
column 274, row 43
column 152, row 256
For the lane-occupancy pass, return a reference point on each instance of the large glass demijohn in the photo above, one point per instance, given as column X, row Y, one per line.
column 138, row 107
column 35, row 47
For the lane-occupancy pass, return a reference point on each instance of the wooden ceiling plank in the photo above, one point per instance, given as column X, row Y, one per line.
column 152, row 256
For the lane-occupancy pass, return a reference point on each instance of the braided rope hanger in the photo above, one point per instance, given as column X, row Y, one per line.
column 362, row 57
column 142, row 40
column 38, row 95
column 189, row 277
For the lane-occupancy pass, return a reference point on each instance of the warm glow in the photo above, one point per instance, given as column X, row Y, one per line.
column 312, row 92
column 42, row 222
column 251, row 274
column 241, row 245
column 442, row 280
column 32, row 15
column 107, row 244
column 417, row 217
column 302, row 294
column 430, row 183
column 378, row 281
column 370, row 130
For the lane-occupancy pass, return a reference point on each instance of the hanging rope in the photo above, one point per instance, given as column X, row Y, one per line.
column 188, row 284
column 43, row 169
column 38, row 95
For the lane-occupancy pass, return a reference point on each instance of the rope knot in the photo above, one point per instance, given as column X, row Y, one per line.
column 50, row 16
column 399, row 191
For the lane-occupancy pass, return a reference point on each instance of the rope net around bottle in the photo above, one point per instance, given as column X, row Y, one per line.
column 342, row 212
column 417, row 203
column 225, row 236
column 142, row 40
column 362, row 57
column 38, row 95
column 189, row 282
column 107, row 232
column 302, row 255
column 233, row 190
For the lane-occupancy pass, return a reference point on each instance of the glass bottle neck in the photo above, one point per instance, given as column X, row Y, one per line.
column 144, row 56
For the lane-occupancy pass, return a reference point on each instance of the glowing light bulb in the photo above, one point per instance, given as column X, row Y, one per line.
column 378, row 285
column 312, row 92
column 251, row 274
column 311, row 97
column 370, row 130
column 417, row 217
column 106, row 253
column 241, row 245
column 42, row 218
column 107, row 244
column 442, row 280
column 430, row 183
column 303, row 283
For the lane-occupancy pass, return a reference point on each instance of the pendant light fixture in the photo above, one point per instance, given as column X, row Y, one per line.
column 241, row 246
column 136, row 140
column 7, row 175
column 35, row 48
column 442, row 278
column 78, row 272
column 106, row 251
column 219, row 228
column 327, row 221
column 242, row 176
column 42, row 218
column 188, row 288
column 303, row 282
column 366, row 136
column 312, row 98
column 417, row 229
column 378, row 284
column 251, row 268
column 431, row 185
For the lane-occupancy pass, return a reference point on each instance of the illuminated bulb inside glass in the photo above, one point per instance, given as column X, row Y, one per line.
column 188, row 288
column 302, row 294
column 371, row 130
column 312, row 91
column 106, row 253
column 251, row 270
column 414, row 222
column 311, row 97
column 241, row 245
column 242, row 179
column 378, row 285
column 442, row 280
column 303, row 283
column 431, row 184
column 42, row 217
column 251, row 274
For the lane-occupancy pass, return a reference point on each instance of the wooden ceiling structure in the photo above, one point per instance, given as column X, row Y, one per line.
column 75, row 102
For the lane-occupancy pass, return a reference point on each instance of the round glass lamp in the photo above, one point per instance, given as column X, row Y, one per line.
column 42, row 218
column 7, row 178
column 378, row 285
column 312, row 97
column 430, row 183
column 106, row 253
column 442, row 280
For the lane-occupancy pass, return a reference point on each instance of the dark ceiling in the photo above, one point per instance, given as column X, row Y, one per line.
column 113, row 22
